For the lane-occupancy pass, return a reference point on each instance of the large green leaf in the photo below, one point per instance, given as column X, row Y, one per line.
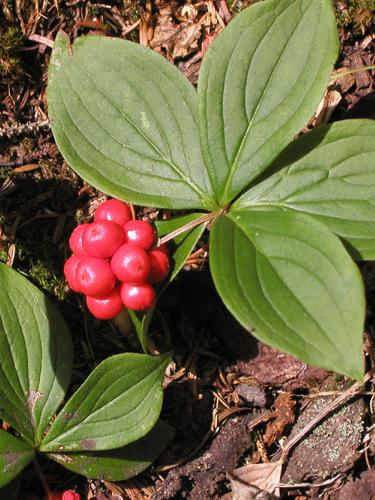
column 35, row 353
column 290, row 280
column 15, row 455
column 328, row 173
column 260, row 82
column 121, row 463
column 180, row 248
column 125, row 120
column 119, row 403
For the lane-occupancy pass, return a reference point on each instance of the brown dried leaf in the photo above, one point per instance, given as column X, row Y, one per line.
column 326, row 107
column 265, row 477
column 283, row 415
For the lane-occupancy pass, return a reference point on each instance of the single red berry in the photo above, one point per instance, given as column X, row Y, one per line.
column 70, row 269
column 106, row 307
column 75, row 240
column 159, row 265
column 95, row 277
column 163, row 248
column 131, row 263
column 114, row 210
column 138, row 297
column 140, row 233
column 102, row 238
column 71, row 495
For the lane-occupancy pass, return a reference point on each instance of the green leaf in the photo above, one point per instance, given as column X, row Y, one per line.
column 15, row 455
column 260, row 82
column 289, row 279
column 141, row 323
column 328, row 173
column 125, row 120
column 36, row 356
column 121, row 463
column 119, row 403
column 181, row 246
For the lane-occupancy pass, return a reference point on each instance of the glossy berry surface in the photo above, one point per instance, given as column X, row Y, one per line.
column 140, row 233
column 106, row 307
column 114, row 210
column 95, row 277
column 159, row 265
column 70, row 269
column 102, row 238
column 138, row 297
column 75, row 240
column 131, row 263
column 71, row 495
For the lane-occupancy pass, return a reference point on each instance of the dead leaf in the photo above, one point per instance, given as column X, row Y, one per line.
column 326, row 107
column 265, row 477
column 283, row 415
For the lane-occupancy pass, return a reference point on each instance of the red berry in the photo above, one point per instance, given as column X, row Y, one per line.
column 114, row 210
column 140, row 233
column 138, row 297
column 71, row 495
column 75, row 240
column 163, row 248
column 159, row 265
column 95, row 277
column 70, row 269
column 131, row 263
column 106, row 307
column 102, row 238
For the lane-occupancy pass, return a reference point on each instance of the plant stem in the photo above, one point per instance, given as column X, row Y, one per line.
column 203, row 219
column 42, row 478
column 340, row 74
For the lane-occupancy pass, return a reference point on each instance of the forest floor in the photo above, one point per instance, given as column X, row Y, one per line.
column 231, row 399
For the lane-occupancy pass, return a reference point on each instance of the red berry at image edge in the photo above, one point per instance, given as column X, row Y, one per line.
column 159, row 265
column 102, row 238
column 71, row 495
column 106, row 307
column 75, row 240
column 70, row 269
column 95, row 277
column 115, row 211
column 131, row 264
column 140, row 233
column 138, row 297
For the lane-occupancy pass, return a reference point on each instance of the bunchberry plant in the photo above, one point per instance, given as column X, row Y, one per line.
column 109, row 427
column 287, row 215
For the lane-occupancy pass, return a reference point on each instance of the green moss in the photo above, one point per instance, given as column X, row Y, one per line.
column 10, row 64
column 355, row 15
column 47, row 281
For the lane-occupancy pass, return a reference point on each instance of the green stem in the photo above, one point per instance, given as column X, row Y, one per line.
column 340, row 74
column 203, row 219
column 42, row 478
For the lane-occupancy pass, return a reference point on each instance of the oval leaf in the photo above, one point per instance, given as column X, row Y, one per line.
column 121, row 463
column 286, row 277
column 15, row 455
column 260, row 82
column 328, row 173
column 36, row 356
column 125, row 120
column 118, row 403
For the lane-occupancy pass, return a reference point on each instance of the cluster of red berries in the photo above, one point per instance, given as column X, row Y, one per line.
column 115, row 262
